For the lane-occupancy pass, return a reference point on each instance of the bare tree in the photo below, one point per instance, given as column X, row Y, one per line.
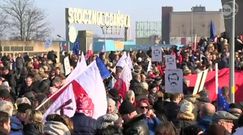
column 27, row 21
column 3, row 24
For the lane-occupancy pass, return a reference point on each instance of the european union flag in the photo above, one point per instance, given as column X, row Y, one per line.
column 76, row 47
column 223, row 105
column 104, row 72
column 213, row 32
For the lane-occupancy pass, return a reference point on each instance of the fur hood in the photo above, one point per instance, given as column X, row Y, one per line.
column 186, row 116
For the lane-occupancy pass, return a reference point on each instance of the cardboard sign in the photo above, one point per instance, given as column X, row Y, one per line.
column 173, row 81
column 67, row 67
column 156, row 54
column 170, row 61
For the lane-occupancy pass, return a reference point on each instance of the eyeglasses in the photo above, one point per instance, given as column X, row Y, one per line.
column 144, row 107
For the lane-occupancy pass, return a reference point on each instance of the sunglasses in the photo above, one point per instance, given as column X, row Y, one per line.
column 144, row 107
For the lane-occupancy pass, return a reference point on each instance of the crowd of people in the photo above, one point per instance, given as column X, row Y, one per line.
column 145, row 109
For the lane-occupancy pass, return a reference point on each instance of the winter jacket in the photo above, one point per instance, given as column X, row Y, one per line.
column 205, row 122
column 152, row 124
column 136, row 126
column 16, row 126
column 32, row 129
column 238, row 131
column 83, row 125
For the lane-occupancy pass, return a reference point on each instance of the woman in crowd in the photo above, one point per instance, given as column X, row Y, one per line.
column 143, row 107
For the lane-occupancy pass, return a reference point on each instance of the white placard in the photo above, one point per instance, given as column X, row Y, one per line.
column 67, row 67
column 173, row 81
column 156, row 54
column 170, row 61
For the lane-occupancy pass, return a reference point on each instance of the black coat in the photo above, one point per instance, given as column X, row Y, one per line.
column 171, row 111
column 83, row 125
column 32, row 129
column 44, row 86
column 19, row 62
column 136, row 126
column 25, row 89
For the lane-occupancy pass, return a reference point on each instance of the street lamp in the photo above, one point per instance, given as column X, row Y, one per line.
column 232, row 56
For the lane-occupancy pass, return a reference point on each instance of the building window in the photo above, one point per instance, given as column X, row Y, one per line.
column 28, row 48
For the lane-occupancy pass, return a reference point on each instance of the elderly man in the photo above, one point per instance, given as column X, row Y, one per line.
column 206, row 113
column 225, row 119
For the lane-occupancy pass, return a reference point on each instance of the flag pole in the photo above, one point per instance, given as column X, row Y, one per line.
column 232, row 57
column 46, row 100
column 216, row 78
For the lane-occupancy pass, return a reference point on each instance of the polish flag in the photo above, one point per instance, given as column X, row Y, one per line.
column 85, row 94
column 123, row 82
column 81, row 66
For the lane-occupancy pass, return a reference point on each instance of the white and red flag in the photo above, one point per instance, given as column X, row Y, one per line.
column 85, row 93
column 123, row 82
column 81, row 66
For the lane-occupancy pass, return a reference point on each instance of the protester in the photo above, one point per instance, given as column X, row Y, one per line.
column 19, row 120
column 82, row 122
column 151, row 119
column 166, row 128
column 33, row 79
column 185, row 116
column 206, row 113
column 133, row 123
column 34, row 123
column 56, row 125
column 110, row 118
column 4, row 123
column 172, row 108
column 216, row 129
column 224, row 119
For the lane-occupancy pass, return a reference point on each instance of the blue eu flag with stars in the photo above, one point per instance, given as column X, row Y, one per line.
column 223, row 105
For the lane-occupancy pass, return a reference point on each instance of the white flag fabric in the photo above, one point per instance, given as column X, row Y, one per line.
column 81, row 66
column 126, row 75
column 64, row 104
column 129, row 61
column 122, row 61
column 90, row 80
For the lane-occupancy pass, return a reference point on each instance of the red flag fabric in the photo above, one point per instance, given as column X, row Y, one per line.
column 223, row 75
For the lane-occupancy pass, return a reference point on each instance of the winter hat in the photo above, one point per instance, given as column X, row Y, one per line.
column 56, row 128
column 23, row 100
column 126, row 107
column 186, row 107
column 223, row 115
